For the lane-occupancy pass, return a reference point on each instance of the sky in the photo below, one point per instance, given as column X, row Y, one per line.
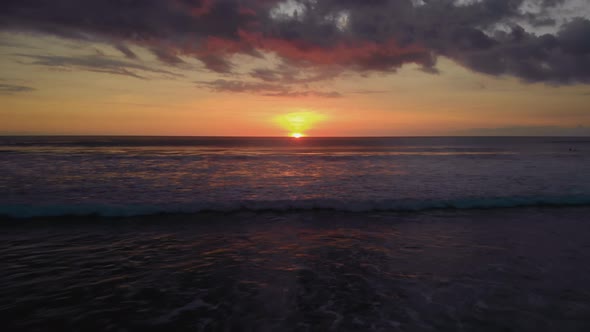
column 280, row 67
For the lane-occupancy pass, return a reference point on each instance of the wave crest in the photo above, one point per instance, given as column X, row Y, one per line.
column 118, row 210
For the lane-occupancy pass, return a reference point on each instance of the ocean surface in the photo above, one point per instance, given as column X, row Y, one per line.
column 281, row 234
column 123, row 176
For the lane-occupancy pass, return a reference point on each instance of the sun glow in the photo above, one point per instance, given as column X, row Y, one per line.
column 297, row 123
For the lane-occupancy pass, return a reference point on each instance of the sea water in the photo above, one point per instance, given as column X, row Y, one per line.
column 117, row 176
column 282, row 234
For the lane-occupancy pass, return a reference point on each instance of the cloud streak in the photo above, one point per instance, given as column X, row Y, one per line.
column 264, row 89
column 99, row 64
column 12, row 89
column 486, row 36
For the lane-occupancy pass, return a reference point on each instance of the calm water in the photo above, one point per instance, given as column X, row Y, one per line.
column 143, row 175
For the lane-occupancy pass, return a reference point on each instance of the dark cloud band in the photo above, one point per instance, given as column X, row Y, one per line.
column 359, row 35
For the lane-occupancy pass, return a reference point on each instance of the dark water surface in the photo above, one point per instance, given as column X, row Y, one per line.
column 280, row 234
column 520, row 269
column 122, row 176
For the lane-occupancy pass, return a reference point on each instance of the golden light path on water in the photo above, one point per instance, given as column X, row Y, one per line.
column 298, row 123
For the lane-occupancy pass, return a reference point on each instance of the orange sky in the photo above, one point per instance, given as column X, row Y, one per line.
column 74, row 100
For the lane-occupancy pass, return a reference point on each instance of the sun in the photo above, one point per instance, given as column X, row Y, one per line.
column 297, row 123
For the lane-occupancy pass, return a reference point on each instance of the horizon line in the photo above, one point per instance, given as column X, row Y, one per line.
column 248, row 136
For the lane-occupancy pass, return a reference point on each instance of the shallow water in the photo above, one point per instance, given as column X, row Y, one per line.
column 522, row 269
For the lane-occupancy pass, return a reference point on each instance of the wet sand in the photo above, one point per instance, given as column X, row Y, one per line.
column 520, row 269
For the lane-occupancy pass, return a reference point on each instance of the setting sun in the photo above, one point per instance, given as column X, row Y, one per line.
column 299, row 122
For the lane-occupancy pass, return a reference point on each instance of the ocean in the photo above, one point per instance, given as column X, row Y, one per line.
column 124, row 176
column 284, row 234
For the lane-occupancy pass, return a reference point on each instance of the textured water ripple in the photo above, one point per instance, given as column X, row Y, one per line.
column 516, row 269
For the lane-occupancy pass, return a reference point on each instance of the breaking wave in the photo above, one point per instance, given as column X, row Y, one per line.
column 405, row 205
